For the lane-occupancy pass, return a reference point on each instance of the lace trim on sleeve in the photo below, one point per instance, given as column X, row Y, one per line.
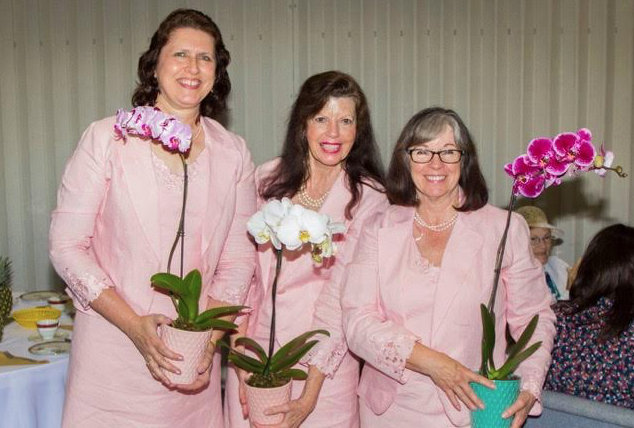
column 327, row 355
column 86, row 287
column 533, row 388
column 392, row 353
column 234, row 295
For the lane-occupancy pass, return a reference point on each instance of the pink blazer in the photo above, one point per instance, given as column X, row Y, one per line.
column 371, row 301
column 308, row 296
column 105, row 229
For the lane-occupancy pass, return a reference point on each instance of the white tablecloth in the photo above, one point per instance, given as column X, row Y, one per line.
column 31, row 396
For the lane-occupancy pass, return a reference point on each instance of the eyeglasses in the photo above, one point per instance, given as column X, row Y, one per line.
column 420, row 155
column 546, row 240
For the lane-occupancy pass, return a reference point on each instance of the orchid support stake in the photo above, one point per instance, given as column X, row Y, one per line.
column 180, row 233
column 278, row 265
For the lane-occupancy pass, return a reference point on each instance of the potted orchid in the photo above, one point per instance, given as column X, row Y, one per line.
column 191, row 330
column 546, row 163
column 288, row 226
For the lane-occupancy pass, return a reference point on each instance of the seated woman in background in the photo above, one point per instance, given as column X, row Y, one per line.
column 593, row 356
column 543, row 237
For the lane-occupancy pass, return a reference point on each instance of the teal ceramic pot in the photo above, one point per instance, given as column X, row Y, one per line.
column 495, row 402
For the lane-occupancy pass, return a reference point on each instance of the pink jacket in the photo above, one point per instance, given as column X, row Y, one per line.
column 308, row 296
column 105, row 229
column 371, row 300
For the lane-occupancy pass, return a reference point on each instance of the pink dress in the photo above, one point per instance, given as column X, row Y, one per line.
column 108, row 383
column 307, row 299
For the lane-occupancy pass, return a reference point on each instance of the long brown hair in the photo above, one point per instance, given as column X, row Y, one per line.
column 363, row 163
column 607, row 270
column 214, row 104
column 424, row 126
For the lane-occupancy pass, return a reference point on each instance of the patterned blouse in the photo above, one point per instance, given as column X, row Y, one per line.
column 583, row 366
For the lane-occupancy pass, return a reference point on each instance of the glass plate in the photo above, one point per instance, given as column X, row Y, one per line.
column 50, row 348
column 38, row 295
column 59, row 335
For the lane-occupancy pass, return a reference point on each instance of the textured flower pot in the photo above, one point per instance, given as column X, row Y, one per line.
column 191, row 345
column 495, row 402
column 260, row 399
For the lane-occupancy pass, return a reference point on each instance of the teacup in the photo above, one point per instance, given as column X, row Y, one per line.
column 47, row 328
column 58, row 303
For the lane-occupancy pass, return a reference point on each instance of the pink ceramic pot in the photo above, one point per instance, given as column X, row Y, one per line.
column 191, row 345
column 260, row 399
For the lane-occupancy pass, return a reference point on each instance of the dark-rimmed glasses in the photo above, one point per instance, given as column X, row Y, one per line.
column 422, row 155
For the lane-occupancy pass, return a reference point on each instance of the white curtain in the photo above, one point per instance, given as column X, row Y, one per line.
column 513, row 69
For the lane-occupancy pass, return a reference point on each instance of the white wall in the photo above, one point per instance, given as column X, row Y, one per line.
column 513, row 69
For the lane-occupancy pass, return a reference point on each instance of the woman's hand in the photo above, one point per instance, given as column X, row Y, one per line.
column 520, row 408
column 242, row 391
column 204, row 370
column 295, row 412
column 449, row 375
column 142, row 332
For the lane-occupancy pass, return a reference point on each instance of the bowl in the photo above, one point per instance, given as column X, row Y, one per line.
column 29, row 317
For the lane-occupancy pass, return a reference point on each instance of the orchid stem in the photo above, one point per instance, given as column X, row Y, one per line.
column 500, row 255
column 278, row 265
column 180, row 233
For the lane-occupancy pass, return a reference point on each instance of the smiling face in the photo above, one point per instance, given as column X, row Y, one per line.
column 332, row 131
column 541, row 243
column 185, row 71
column 436, row 180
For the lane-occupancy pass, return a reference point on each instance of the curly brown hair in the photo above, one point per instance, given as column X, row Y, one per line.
column 214, row 104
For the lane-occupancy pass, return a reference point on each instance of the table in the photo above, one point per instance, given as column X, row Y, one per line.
column 31, row 396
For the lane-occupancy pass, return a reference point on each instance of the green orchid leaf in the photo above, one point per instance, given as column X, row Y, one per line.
column 293, row 357
column 255, row 346
column 512, row 363
column 295, row 374
column 193, row 281
column 217, row 324
column 294, row 344
column 240, row 361
column 524, row 337
column 243, row 361
column 182, row 310
column 488, row 340
column 218, row 312
column 170, row 282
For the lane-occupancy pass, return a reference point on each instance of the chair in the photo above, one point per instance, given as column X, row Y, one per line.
column 563, row 410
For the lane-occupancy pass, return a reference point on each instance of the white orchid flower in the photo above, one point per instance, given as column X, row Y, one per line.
column 289, row 232
column 258, row 228
column 292, row 225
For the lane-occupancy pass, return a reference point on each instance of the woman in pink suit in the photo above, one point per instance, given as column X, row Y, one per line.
column 412, row 291
column 118, row 210
column 329, row 163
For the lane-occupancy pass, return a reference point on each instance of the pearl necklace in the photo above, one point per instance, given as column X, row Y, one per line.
column 436, row 227
column 309, row 202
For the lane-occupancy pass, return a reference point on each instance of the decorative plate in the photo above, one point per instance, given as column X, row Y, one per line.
column 38, row 295
column 50, row 348
column 59, row 335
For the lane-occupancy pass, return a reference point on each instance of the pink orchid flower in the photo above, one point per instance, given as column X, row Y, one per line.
column 605, row 158
column 540, row 151
column 530, row 179
column 150, row 122
column 575, row 148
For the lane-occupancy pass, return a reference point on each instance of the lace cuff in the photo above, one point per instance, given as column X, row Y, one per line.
column 327, row 355
column 533, row 388
column 392, row 353
column 86, row 287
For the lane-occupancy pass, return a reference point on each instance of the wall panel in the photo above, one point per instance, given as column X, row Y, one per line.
column 514, row 69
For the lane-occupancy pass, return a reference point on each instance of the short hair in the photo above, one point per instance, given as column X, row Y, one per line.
column 607, row 270
column 214, row 104
column 363, row 163
column 425, row 126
